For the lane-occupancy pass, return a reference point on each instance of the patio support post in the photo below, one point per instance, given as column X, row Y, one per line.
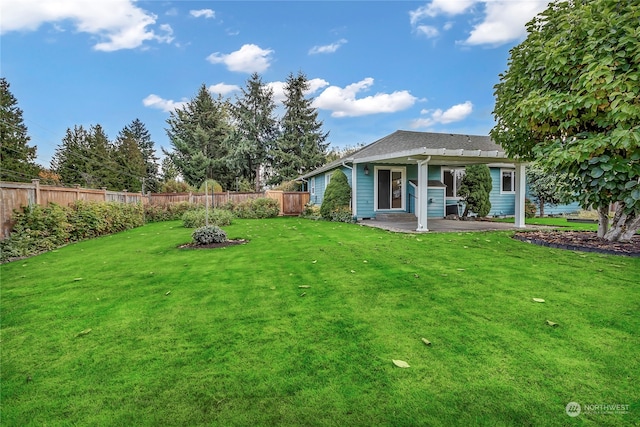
column 422, row 202
column 520, row 194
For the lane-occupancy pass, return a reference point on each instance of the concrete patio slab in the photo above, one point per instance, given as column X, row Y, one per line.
column 409, row 225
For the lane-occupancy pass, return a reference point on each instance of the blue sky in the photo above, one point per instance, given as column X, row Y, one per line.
column 374, row 66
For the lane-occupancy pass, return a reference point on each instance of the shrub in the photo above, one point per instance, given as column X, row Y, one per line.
column 342, row 214
column 93, row 219
column 209, row 234
column 337, row 195
column 197, row 218
column 212, row 185
column 170, row 212
column 311, row 211
column 174, row 186
column 529, row 209
column 475, row 189
column 262, row 207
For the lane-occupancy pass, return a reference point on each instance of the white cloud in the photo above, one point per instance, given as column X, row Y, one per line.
column 343, row 102
column 501, row 21
column 330, row 48
column 223, row 89
column 206, row 13
column 247, row 59
column 505, row 21
column 278, row 88
column 427, row 30
column 438, row 7
column 119, row 24
column 166, row 105
column 454, row 114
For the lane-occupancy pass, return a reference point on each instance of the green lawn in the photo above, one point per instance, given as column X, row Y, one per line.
column 226, row 337
column 559, row 222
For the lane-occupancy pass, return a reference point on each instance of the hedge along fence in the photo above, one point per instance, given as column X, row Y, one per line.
column 14, row 196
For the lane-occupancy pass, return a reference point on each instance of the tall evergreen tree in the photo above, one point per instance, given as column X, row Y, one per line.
column 198, row 133
column 130, row 162
column 256, row 129
column 86, row 158
column 302, row 145
column 17, row 158
column 138, row 131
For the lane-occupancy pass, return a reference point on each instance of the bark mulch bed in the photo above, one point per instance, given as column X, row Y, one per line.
column 213, row 245
column 586, row 241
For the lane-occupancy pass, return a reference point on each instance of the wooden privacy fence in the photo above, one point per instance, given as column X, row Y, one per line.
column 291, row 202
column 16, row 195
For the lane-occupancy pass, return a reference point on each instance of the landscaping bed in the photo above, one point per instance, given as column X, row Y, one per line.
column 586, row 241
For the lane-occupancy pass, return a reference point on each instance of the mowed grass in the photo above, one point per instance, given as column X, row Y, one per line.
column 227, row 336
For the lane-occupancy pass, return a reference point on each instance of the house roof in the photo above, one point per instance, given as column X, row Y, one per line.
column 412, row 146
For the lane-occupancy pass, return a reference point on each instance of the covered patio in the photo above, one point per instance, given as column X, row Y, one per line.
column 407, row 224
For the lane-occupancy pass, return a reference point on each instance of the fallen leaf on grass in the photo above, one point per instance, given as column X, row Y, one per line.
column 314, row 261
column 304, row 286
column 168, row 292
column 550, row 323
column 353, row 271
column 83, row 333
column 426, row 341
column 303, row 294
column 400, row 363
column 538, row 300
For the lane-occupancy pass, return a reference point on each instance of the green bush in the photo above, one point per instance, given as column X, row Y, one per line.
column 342, row 214
column 311, row 211
column 212, row 186
column 262, row 207
column 170, row 212
column 337, row 195
column 37, row 229
column 475, row 189
column 209, row 234
column 529, row 209
column 197, row 218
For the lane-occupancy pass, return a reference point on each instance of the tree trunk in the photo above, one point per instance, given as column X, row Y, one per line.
column 603, row 221
column 623, row 226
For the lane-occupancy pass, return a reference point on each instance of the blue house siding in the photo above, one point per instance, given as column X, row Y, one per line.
column 321, row 184
column 501, row 203
column 435, row 202
column 364, row 204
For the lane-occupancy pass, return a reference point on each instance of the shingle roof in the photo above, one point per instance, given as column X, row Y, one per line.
column 402, row 140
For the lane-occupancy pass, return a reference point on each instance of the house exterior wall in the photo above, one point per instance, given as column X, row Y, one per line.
column 501, row 203
column 365, row 208
column 322, row 181
column 436, row 207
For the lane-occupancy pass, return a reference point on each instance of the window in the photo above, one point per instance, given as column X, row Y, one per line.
column 327, row 178
column 507, row 181
column 313, row 186
column 452, row 178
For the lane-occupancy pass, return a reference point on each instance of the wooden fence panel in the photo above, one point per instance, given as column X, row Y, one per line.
column 291, row 202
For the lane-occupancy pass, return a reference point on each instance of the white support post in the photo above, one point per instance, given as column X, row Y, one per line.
column 521, row 188
column 422, row 201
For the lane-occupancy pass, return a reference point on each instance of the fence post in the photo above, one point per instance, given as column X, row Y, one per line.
column 36, row 183
column 77, row 187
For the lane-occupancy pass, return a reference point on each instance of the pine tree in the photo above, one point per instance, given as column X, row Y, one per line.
column 138, row 131
column 301, row 146
column 130, row 162
column 17, row 158
column 255, row 131
column 198, row 133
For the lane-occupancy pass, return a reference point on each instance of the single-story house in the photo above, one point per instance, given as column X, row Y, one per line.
column 420, row 173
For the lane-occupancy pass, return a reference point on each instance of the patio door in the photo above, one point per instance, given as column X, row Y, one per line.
column 390, row 189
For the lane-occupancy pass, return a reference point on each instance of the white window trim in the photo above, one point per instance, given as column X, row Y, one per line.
column 327, row 178
column 312, row 184
column 403, row 171
column 513, row 181
column 443, row 170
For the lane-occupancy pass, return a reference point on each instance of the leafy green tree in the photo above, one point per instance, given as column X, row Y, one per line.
column 138, row 131
column 474, row 190
column 337, row 195
column 571, row 96
column 17, row 158
column 256, row 129
column 547, row 186
column 198, row 133
column 169, row 172
column 302, row 144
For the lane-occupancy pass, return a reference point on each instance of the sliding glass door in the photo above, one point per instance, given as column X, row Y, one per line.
column 390, row 191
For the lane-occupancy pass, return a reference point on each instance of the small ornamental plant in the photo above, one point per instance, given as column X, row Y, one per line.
column 208, row 235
